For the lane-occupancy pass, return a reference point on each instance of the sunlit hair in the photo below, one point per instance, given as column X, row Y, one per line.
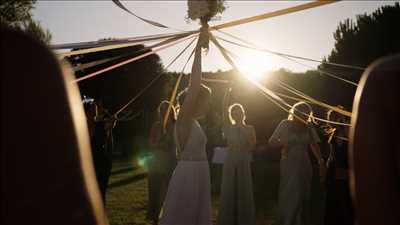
column 166, row 104
column 295, row 108
column 236, row 106
column 205, row 92
column 331, row 115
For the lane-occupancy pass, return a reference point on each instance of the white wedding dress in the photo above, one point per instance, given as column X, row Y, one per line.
column 188, row 200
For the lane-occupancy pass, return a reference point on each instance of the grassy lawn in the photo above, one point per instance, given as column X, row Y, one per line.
column 127, row 193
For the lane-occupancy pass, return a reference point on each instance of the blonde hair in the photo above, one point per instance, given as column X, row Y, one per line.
column 235, row 106
column 294, row 109
column 331, row 113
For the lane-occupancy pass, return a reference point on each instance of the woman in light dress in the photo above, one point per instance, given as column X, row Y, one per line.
column 237, row 201
column 188, row 200
column 295, row 137
column 163, row 162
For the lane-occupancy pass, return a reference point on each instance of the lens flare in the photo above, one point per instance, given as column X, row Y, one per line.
column 254, row 65
column 143, row 159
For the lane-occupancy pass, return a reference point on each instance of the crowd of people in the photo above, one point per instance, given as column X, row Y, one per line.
column 182, row 195
column 179, row 175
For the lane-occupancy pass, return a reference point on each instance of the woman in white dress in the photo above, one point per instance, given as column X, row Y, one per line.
column 237, row 201
column 188, row 200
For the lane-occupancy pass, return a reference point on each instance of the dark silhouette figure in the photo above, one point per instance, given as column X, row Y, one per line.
column 374, row 145
column 47, row 175
column 339, row 208
column 163, row 160
column 100, row 130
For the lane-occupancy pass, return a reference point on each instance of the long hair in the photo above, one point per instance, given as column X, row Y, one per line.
column 331, row 115
column 295, row 109
column 236, row 106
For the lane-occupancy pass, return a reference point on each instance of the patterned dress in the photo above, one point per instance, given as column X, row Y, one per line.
column 295, row 173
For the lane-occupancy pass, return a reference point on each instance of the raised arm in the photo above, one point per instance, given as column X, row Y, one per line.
column 188, row 108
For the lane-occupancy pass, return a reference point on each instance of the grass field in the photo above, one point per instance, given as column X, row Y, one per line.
column 127, row 193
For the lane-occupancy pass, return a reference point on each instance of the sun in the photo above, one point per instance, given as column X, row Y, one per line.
column 255, row 65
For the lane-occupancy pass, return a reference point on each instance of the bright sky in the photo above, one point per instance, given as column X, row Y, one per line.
column 307, row 33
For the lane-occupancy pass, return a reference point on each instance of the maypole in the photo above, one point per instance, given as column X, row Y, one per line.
column 202, row 11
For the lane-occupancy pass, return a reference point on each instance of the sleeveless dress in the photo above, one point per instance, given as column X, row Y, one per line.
column 237, row 201
column 188, row 199
column 339, row 208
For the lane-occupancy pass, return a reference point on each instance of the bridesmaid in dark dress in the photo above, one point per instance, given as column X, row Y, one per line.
column 99, row 131
column 339, row 209
column 163, row 161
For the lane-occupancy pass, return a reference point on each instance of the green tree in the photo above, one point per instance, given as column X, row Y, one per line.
column 17, row 14
column 363, row 41
column 359, row 43
column 215, row 7
column 116, row 87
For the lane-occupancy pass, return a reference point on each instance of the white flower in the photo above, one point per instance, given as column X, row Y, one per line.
column 197, row 9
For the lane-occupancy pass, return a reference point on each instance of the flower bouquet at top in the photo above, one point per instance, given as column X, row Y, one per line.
column 204, row 10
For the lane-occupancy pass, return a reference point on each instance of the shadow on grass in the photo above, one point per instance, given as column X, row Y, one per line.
column 124, row 170
column 127, row 180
